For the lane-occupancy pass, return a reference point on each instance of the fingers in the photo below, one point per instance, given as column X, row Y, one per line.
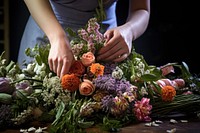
column 110, row 53
column 65, row 67
column 109, row 44
column 121, row 58
column 113, row 53
column 115, row 46
column 60, row 66
column 50, row 64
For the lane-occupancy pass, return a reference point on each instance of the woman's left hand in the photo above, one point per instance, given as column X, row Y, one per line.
column 117, row 46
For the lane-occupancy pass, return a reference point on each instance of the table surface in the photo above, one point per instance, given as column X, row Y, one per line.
column 192, row 126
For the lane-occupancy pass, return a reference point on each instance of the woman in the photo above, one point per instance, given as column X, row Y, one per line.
column 50, row 17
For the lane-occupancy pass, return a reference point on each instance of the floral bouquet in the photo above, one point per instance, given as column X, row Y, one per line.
column 106, row 95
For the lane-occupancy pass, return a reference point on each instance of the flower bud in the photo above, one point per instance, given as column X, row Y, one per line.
column 5, row 86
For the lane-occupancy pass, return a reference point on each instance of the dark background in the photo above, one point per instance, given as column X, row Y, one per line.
column 172, row 34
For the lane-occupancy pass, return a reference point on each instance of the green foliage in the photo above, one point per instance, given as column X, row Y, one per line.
column 100, row 12
column 111, row 124
column 40, row 54
column 181, row 103
column 68, row 119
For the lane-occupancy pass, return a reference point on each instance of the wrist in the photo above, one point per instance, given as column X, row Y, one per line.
column 57, row 37
column 131, row 33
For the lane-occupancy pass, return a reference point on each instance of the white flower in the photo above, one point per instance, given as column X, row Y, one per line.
column 38, row 68
column 117, row 73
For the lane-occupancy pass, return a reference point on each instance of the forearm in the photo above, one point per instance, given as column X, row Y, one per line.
column 44, row 16
column 138, row 18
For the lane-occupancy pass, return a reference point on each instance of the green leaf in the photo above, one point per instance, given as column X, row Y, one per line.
column 109, row 124
column 157, row 72
column 2, row 55
column 20, row 95
column 28, row 51
column 59, row 113
column 10, row 66
column 100, row 12
column 84, row 124
column 71, row 32
column 149, row 77
column 185, row 70
column 158, row 88
column 38, row 59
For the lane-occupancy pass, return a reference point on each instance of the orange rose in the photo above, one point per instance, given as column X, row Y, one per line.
column 77, row 68
column 70, row 82
column 86, row 87
column 88, row 58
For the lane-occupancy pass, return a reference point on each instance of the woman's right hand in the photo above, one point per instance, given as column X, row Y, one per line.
column 60, row 56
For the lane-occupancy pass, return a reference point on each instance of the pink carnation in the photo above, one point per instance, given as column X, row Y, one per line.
column 142, row 109
column 167, row 69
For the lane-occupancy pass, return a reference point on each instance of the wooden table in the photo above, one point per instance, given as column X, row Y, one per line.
column 192, row 126
column 189, row 127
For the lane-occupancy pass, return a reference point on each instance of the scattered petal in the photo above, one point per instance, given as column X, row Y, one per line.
column 184, row 121
column 23, row 131
column 172, row 130
column 154, row 124
column 148, row 124
column 31, row 129
column 39, row 130
column 173, row 121
column 158, row 122
column 44, row 128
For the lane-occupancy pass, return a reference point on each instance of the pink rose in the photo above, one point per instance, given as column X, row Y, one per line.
column 87, row 59
column 180, row 82
column 86, row 87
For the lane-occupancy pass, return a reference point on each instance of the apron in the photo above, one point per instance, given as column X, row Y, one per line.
column 70, row 13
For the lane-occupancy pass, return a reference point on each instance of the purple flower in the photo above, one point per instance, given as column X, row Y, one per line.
column 112, row 85
column 5, row 86
column 107, row 103
column 83, row 34
column 123, row 86
column 24, row 87
column 109, row 67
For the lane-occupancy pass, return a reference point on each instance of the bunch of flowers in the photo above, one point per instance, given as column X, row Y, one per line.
column 109, row 95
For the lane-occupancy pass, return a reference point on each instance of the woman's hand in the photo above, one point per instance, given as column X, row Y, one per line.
column 117, row 46
column 60, row 56
column 119, row 40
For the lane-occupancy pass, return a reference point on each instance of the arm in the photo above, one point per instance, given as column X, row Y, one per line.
column 60, row 55
column 138, row 18
column 119, row 39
